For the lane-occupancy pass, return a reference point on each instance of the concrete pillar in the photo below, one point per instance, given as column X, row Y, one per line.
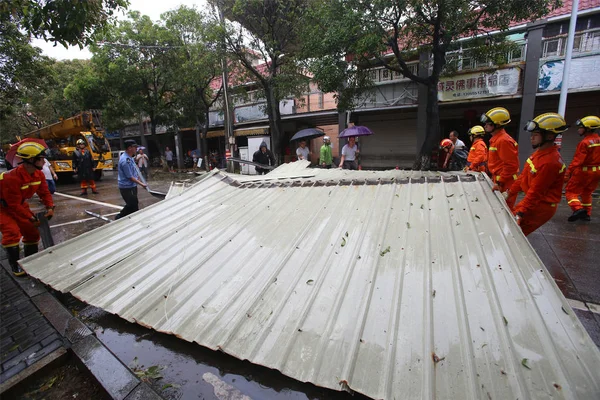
column 423, row 72
column 179, row 148
column 530, row 85
column 342, row 117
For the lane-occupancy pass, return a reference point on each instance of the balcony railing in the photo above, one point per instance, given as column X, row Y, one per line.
column 463, row 60
column 584, row 42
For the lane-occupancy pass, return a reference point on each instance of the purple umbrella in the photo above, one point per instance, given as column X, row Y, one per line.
column 355, row 131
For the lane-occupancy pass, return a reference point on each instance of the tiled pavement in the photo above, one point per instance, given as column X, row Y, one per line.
column 26, row 336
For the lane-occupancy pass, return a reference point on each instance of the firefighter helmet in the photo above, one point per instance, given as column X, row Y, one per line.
column 477, row 130
column 589, row 122
column 446, row 143
column 497, row 116
column 80, row 141
column 30, row 150
column 549, row 122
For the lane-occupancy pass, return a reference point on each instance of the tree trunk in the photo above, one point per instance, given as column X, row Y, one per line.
column 274, row 124
column 432, row 133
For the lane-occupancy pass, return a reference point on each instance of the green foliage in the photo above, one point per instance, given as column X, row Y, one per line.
column 68, row 22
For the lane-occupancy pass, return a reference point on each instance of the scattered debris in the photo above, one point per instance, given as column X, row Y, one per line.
column 477, row 216
column 383, row 253
column 421, row 206
column 408, row 225
column 310, row 282
column 505, row 320
column 437, row 359
column 565, row 311
column 557, row 386
column 502, row 372
column 346, row 233
column 524, row 363
column 343, row 242
column 450, row 195
column 148, row 374
column 433, row 292
column 429, row 198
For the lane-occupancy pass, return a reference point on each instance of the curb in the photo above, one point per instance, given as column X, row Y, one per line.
column 119, row 382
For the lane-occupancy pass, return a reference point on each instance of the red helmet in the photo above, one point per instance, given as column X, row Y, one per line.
column 446, row 143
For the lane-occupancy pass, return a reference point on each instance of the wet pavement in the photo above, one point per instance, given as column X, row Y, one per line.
column 188, row 371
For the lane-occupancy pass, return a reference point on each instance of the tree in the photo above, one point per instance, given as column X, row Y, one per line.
column 197, row 69
column 268, row 31
column 135, row 61
column 355, row 34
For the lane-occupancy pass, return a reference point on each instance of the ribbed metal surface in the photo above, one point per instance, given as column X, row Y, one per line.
column 396, row 288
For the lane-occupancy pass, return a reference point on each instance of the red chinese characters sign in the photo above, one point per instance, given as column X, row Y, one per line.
column 476, row 85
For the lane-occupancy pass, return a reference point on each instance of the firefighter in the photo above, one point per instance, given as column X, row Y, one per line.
column 83, row 166
column 542, row 177
column 16, row 219
column 503, row 154
column 456, row 159
column 584, row 171
column 478, row 154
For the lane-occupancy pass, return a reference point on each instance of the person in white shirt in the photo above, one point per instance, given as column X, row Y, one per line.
column 142, row 162
column 302, row 151
column 50, row 175
column 169, row 158
column 349, row 153
column 458, row 144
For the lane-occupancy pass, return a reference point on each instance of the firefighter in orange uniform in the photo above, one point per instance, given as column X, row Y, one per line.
column 542, row 177
column 503, row 154
column 16, row 219
column 478, row 154
column 584, row 170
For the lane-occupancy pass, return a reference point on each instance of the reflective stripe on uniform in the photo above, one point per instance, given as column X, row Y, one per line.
column 515, row 177
column 516, row 144
column 562, row 169
column 586, row 205
column 2, row 175
column 493, row 149
column 10, row 245
column 24, row 187
column 590, row 167
column 594, row 145
column 531, row 165
column 35, row 183
column 572, row 200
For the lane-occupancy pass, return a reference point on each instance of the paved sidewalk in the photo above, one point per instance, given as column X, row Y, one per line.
column 26, row 336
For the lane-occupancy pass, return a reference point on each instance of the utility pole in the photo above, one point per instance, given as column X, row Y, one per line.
column 562, row 102
column 228, row 128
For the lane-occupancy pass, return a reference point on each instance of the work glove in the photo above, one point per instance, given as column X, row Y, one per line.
column 518, row 218
column 34, row 221
column 49, row 213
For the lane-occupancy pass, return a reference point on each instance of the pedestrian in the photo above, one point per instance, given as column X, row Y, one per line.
column 302, row 151
column 542, row 177
column 503, row 154
column 142, row 162
column 169, row 158
column 128, row 180
column 326, row 155
column 50, row 176
column 16, row 219
column 263, row 156
column 349, row 153
column 83, row 166
column 583, row 173
column 478, row 154
column 458, row 144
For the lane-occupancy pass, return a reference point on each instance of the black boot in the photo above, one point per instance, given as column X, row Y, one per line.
column 13, row 257
column 30, row 249
column 579, row 214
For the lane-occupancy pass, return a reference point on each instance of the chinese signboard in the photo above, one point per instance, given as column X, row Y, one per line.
column 476, row 85
column 583, row 74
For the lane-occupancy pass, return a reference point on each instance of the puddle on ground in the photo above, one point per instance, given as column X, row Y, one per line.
column 188, row 370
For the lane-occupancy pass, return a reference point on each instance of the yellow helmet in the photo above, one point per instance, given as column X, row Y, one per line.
column 477, row 130
column 80, row 141
column 30, row 150
column 550, row 122
column 497, row 116
column 590, row 122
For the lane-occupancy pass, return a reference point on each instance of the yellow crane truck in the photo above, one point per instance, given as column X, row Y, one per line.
column 62, row 136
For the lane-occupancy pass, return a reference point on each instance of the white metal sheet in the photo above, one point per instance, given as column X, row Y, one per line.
column 421, row 286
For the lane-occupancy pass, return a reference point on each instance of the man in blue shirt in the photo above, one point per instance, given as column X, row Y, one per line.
column 129, row 179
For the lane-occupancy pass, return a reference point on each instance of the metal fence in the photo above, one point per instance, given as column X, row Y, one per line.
column 584, row 42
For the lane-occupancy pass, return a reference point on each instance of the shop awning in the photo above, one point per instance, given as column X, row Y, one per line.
column 254, row 131
column 214, row 134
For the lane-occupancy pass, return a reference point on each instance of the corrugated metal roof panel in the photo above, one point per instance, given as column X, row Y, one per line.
column 402, row 288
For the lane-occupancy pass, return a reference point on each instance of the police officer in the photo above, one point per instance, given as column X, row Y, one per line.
column 129, row 179
column 16, row 187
